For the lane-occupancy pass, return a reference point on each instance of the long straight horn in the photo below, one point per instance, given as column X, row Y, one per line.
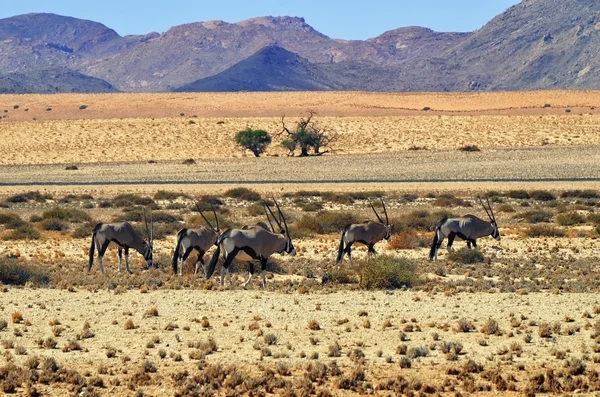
column 491, row 210
column 287, row 232
column 268, row 219
column 486, row 210
column 216, row 217
column 203, row 217
column 146, row 223
column 278, row 221
column 375, row 211
column 387, row 220
column 151, row 229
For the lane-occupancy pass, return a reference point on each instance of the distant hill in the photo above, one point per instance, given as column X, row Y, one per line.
column 52, row 81
column 537, row 44
column 270, row 69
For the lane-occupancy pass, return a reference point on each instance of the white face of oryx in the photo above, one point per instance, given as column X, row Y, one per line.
column 289, row 247
column 148, row 254
column 495, row 231
column 388, row 232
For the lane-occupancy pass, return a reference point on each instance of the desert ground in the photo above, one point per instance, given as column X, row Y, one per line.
column 517, row 316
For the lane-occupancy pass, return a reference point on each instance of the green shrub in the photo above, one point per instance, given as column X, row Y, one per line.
column 255, row 209
column 466, row 256
column 385, row 272
column 584, row 194
column 338, row 276
column 35, row 218
column 67, row 214
column 311, row 206
column 598, row 228
column 161, row 230
column 25, row 232
column 505, row 208
column 594, row 218
column 335, row 198
column 535, row 216
column 136, row 214
column 544, row 231
column 69, row 198
column 419, row 220
column 166, row 195
column 518, row 194
column 53, row 224
column 84, row 230
column 14, row 273
column 10, row 220
column 254, row 140
column 542, row 195
column 129, row 200
column 242, row 193
column 326, row 222
column 570, row 219
column 29, row 196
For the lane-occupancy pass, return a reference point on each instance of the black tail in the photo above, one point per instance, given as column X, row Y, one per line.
column 436, row 240
column 341, row 248
column 180, row 235
column 93, row 246
column 215, row 258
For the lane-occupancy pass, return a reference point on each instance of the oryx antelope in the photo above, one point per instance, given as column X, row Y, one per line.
column 468, row 228
column 125, row 237
column 199, row 239
column 368, row 233
column 252, row 243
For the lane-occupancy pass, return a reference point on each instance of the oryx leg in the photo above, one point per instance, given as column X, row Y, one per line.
column 127, row 260
column 263, row 266
column 469, row 244
column 228, row 259
column 451, row 238
column 187, row 253
column 120, row 253
column 250, row 273
column 348, row 251
column 474, row 244
column 101, row 252
column 371, row 250
column 200, row 262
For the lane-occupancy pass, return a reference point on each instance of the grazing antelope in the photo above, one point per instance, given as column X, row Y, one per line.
column 468, row 228
column 199, row 239
column 125, row 237
column 368, row 233
column 252, row 243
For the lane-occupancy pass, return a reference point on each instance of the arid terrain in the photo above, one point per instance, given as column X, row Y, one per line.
column 518, row 316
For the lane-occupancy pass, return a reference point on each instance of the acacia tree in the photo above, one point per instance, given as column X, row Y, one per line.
column 307, row 135
column 254, row 140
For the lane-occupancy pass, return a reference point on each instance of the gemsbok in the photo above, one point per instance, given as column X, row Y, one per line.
column 252, row 243
column 368, row 233
column 468, row 228
column 125, row 237
column 199, row 239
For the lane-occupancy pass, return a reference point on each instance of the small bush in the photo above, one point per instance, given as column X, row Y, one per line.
column 505, row 208
column 570, row 219
column 325, row 222
column 72, row 167
column 470, row 148
column 254, row 140
column 53, row 224
column 544, row 231
column 535, row 216
column 518, row 194
column 584, row 194
column 242, row 193
column 542, row 195
column 84, row 230
column 14, row 273
column 67, row 214
column 130, row 200
column 408, row 240
column 29, row 196
column 166, row 195
column 338, row 276
column 385, row 272
column 10, row 220
column 25, row 232
column 466, row 256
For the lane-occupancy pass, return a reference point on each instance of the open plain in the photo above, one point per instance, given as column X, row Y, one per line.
column 524, row 318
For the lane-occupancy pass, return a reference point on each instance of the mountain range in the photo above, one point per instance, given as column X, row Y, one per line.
column 536, row 44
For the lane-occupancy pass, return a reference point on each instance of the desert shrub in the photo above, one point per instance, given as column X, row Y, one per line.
column 10, row 220
column 338, row 276
column 470, row 148
column 542, row 195
column 254, row 140
column 598, row 229
column 338, row 198
column 584, row 194
column 24, row 232
column 53, row 224
column 535, row 216
column 205, row 201
column 385, row 272
column 69, row 198
column 518, row 194
column 67, row 214
column 130, row 199
column 570, row 219
column 594, row 218
column 242, row 193
column 505, row 208
column 12, row 272
column 255, row 209
column 466, row 256
column 29, row 196
column 35, row 218
column 72, row 167
column 82, row 107
column 420, row 220
column 544, row 231
column 408, row 240
column 166, row 195
column 451, row 202
column 325, row 222
column 84, row 230
column 161, row 230
column 310, row 206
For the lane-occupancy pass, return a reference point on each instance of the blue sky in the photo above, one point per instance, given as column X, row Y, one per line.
column 349, row 19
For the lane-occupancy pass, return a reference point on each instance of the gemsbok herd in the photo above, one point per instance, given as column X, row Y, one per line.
column 258, row 242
